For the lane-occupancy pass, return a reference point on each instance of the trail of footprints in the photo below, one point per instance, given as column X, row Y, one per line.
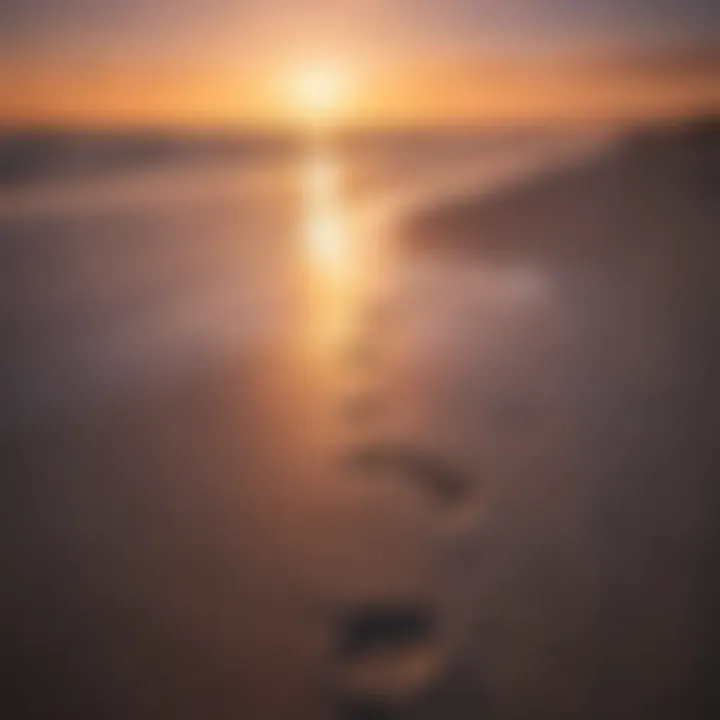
column 388, row 652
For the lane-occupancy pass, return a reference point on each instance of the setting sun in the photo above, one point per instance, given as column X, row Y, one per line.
column 319, row 92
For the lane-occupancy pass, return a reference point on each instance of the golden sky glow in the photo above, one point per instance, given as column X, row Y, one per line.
column 352, row 62
column 318, row 92
column 415, row 96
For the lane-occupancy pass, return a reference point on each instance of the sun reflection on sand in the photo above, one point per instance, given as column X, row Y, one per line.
column 332, row 267
column 326, row 230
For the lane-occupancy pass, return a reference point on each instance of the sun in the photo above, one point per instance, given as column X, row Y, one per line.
column 319, row 92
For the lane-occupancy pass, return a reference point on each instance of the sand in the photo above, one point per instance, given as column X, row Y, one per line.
column 487, row 492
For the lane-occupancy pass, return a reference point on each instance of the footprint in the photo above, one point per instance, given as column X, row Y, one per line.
column 428, row 471
column 387, row 654
column 387, row 624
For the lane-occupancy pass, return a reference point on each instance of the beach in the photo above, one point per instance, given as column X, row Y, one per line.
column 349, row 432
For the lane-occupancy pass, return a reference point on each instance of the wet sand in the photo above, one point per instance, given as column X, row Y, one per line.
column 585, row 393
column 474, row 480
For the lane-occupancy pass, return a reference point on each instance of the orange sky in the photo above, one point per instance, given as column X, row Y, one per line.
column 420, row 62
column 413, row 95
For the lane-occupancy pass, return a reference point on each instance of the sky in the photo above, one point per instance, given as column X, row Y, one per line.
column 405, row 60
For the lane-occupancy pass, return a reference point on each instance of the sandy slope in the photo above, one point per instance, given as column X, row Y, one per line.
column 576, row 317
column 493, row 498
